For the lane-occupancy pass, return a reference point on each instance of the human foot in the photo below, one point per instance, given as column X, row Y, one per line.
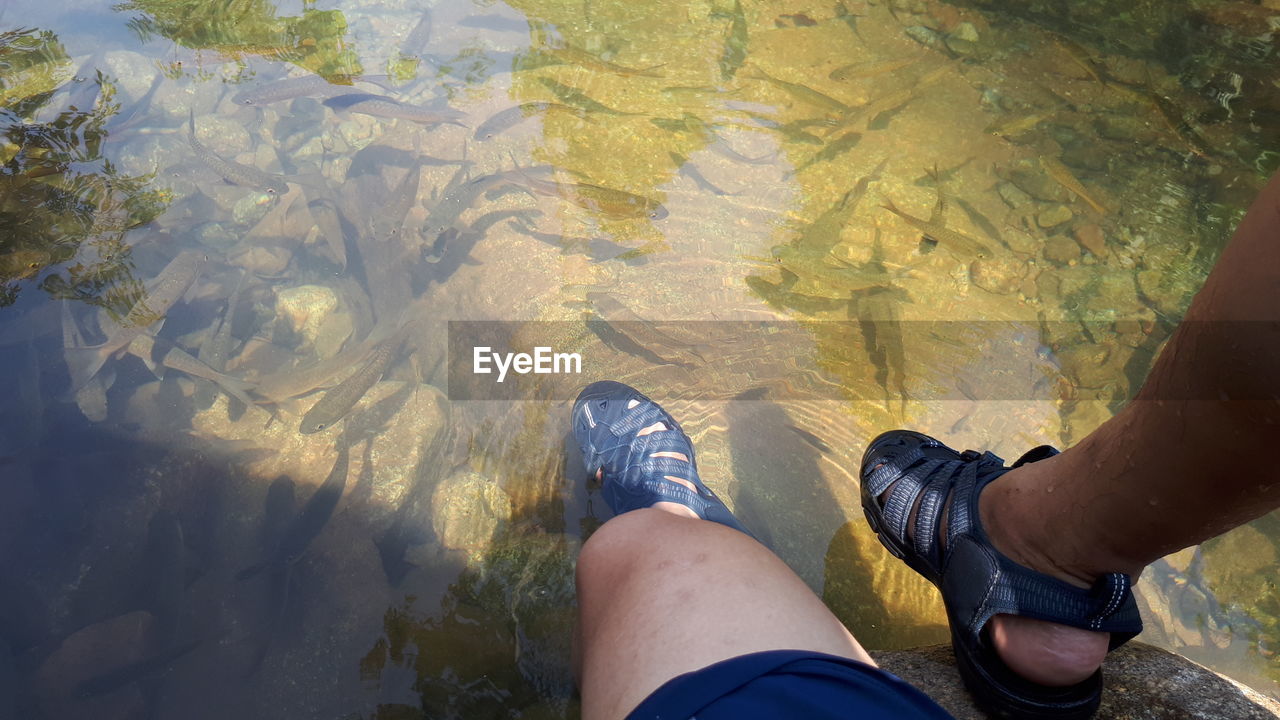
column 641, row 455
column 922, row 499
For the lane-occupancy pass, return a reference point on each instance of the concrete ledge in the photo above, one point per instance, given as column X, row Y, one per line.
column 1142, row 683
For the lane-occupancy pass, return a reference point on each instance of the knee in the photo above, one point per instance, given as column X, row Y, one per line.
column 613, row 549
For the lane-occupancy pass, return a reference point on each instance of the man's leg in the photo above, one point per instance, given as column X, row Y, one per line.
column 661, row 594
column 1187, row 460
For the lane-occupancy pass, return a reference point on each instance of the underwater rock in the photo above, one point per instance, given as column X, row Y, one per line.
column 306, row 309
column 1143, row 683
column 1053, row 216
column 1061, row 250
column 965, row 31
column 1091, row 238
column 261, row 260
column 468, row 510
column 1013, row 196
column 1001, row 275
column 133, row 72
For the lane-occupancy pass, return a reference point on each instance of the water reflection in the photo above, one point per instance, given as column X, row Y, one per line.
column 350, row 179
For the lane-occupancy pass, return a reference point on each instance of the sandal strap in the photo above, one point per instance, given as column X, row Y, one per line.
column 638, row 418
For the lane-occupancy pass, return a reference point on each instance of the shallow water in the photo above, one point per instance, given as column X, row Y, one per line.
column 692, row 196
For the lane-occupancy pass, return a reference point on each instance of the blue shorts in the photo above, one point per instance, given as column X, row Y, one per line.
column 788, row 684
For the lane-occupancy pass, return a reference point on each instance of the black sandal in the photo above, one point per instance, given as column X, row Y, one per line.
column 977, row 581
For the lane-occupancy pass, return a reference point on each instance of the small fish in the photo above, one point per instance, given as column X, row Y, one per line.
column 276, row 512
column 834, row 149
column 615, row 204
column 158, row 352
column 690, row 171
column 578, row 99
column 418, row 37
column 336, row 403
column 959, row 244
column 735, row 43
column 456, row 198
column 823, row 234
column 300, row 381
column 805, row 94
column 642, row 331
column 509, row 118
column 325, row 214
column 234, row 172
column 289, row 88
column 316, row 512
column 812, row 439
column 163, row 579
column 1013, row 127
column 1080, row 56
column 385, row 107
column 598, row 249
column 620, row 341
column 873, row 68
column 980, row 220
column 218, row 347
column 1059, row 172
column 574, row 56
column 166, row 289
column 821, row 279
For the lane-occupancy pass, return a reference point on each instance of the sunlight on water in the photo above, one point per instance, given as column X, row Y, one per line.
column 238, row 478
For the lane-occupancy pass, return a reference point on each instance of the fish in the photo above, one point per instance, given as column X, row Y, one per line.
column 1178, row 125
column 1059, row 172
column 509, row 118
column 325, row 214
column 159, row 352
column 620, row 341
column 598, row 249
column 320, row 374
column 695, row 125
column 735, row 44
column 880, row 322
column 690, row 171
column 578, row 99
column 163, row 580
column 165, row 290
column 823, row 234
column 218, row 346
column 615, row 204
column 456, row 198
column 385, row 107
column 1080, row 56
column 959, row 244
column 234, row 172
column 817, row 442
column 301, row 530
column 276, row 512
column 418, row 37
column 337, row 402
column 980, row 220
column 573, row 56
column 1013, row 127
column 822, row 279
column 805, row 93
column 294, row 87
column 316, row 512
column 859, row 70
column 833, row 149
column 642, row 331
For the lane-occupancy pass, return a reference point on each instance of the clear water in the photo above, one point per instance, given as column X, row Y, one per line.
column 168, row 551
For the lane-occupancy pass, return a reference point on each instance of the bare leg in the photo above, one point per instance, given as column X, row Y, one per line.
column 660, row 595
column 1183, row 462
